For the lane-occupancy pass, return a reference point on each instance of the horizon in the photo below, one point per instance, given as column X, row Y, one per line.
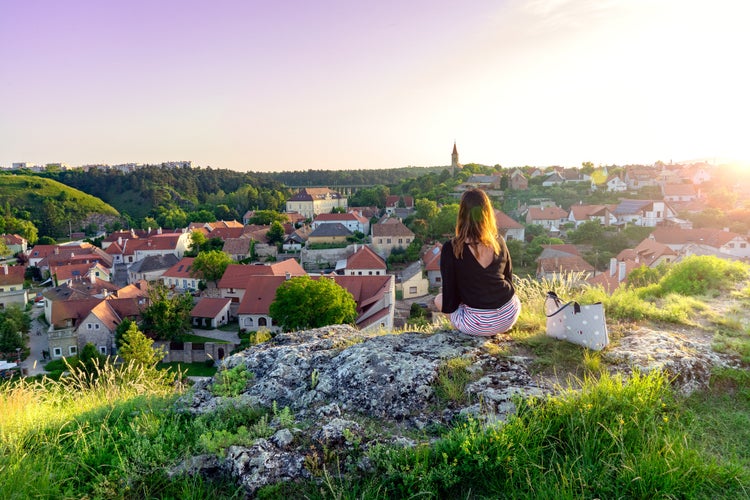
column 283, row 87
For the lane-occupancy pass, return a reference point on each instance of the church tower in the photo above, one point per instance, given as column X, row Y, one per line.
column 454, row 160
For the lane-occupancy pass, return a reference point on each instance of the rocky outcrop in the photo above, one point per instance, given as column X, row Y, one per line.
column 687, row 357
column 333, row 376
column 335, row 379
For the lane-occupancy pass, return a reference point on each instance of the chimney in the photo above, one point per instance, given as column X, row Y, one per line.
column 287, row 275
column 92, row 278
column 158, row 231
column 5, row 268
column 119, row 241
column 612, row 266
column 622, row 274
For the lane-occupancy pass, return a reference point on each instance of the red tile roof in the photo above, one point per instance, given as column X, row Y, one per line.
column 365, row 258
column 505, row 222
column 546, row 213
column 208, row 307
column 12, row 275
column 181, row 269
column 237, row 275
column 431, row 258
column 391, row 227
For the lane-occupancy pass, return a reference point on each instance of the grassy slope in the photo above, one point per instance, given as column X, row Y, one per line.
column 28, row 192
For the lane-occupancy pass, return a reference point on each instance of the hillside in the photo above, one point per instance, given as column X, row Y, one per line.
column 53, row 207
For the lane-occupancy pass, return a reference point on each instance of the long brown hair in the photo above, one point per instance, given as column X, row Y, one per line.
column 476, row 223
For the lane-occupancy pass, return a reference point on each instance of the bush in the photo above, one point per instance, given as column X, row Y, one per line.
column 697, row 275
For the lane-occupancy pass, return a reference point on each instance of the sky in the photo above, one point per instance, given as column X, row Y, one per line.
column 272, row 85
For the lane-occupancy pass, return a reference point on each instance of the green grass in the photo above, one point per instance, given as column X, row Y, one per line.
column 189, row 369
column 200, row 339
column 613, row 438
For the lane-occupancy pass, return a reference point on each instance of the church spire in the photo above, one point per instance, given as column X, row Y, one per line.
column 454, row 160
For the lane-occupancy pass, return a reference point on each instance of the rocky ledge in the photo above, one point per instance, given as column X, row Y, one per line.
column 336, row 379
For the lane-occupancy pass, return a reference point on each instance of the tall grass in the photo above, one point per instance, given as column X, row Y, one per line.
column 614, row 438
column 107, row 434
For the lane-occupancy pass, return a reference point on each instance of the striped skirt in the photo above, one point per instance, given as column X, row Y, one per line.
column 486, row 322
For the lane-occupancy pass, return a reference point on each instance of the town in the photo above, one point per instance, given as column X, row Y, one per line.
column 385, row 254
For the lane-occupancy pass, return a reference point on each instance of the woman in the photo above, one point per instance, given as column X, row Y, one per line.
column 478, row 290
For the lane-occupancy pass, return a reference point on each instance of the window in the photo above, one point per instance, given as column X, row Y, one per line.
column 72, row 350
column 370, row 273
column 388, row 241
column 359, row 273
column 438, row 279
column 57, row 352
column 731, row 245
column 248, row 321
column 89, row 326
column 743, row 245
column 412, row 289
column 262, row 321
column 102, row 349
column 400, row 241
column 96, row 326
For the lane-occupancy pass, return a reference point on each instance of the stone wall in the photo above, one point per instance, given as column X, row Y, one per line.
column 313, row 260
column 193, row 352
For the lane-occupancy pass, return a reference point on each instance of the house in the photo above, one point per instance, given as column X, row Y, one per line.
column 159, row 244
column 238, row 248
column 79, row 253
column 390, row 234
column 615, row 184
column 637, row 177
column 151, row 267
column 431, row 260
column 518, row 181
column 11, row 286
column 76, row 272
column 296, row 240
column 37, row 253
column 352, row 221
column 679, row 192
column 179, row 277
column 15, row 243
column 235, row 280
column 99, row 326
column 66, row 317
column 553, row 179
column 650, row 253
column 310, row 202
column 258, row 292
column 329, row 233
column 364, row 262
column 646, row 213
column 615, row 276
column 722, row 241
column 413, row 284
column 211, row 312
column 509, row 228
column 550, row 218
column 394, row 201
column 602, row 214
column 486, row 182
column 375, row 297
column 561, row 259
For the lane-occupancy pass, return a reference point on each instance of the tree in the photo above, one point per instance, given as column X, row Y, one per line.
column 123, row 327
column 275, row 234
column 210, row 265
column 167, row 316
column 197, row 240
column 302, row 302
column 14, row 325
column 90, row 359
column 138, row 348
column 266, row 217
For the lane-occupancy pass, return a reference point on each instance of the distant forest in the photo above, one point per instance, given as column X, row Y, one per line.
column 158, row 196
